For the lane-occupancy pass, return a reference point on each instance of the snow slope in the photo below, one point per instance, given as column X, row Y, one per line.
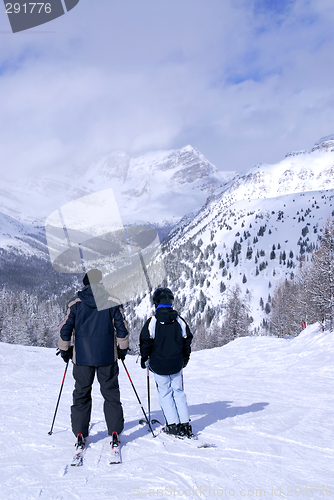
column 267, row 403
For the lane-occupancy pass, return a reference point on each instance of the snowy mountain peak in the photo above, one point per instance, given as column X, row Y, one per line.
column 325, row 144
column 328, row 138
column 298, row 172
column 113, row 165
column 159, row 187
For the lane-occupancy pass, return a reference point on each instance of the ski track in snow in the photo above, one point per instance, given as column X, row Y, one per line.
column 266, row 403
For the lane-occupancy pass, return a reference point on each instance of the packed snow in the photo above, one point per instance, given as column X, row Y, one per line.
column 266, row 403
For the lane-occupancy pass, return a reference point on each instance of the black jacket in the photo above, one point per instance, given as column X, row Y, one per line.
column 171, row 344
column 97, row 323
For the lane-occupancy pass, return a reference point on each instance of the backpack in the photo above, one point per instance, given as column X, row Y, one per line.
column 153, row 322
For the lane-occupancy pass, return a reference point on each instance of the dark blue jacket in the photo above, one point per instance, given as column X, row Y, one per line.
column 98, row 326
column 170, row 347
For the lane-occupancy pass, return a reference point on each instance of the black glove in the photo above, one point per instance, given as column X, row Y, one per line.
column 185, row 361
column 67, row 355
column 121, row 353
column 143, row 362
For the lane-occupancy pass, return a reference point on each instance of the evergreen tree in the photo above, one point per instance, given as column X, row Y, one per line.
column 320, row 279
column 236, row 319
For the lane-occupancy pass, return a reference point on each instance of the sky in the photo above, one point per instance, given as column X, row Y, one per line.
column 243, row 81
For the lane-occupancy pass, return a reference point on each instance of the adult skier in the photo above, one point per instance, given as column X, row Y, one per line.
column 165, row 345
column 100, row 336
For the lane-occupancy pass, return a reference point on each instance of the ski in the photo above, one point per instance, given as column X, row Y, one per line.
column 196, row 442
column 115, row 449
column 77, row 460
column 192, row 441
column 206, row 445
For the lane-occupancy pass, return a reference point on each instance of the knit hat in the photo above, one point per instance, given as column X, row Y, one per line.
column 163, row 295
column 93, row 276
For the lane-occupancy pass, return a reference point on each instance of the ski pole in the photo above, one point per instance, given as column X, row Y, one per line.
column 148, row 394
column 61, row 389
column 133, row 387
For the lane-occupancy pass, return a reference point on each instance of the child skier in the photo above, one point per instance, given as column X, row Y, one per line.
column 165, row 341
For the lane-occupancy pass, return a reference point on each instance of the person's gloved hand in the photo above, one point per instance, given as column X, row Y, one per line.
column 121, row 353
column 143, row 363
column 185, row 361
column 67, row 355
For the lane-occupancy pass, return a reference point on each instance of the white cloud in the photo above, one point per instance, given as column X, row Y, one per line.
column 241, row 83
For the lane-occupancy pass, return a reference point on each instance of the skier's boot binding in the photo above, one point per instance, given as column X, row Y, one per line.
column 114, row 441
column 172, row 429
column 185, row 430
column 80, row 444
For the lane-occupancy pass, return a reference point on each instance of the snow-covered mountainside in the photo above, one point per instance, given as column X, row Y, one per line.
column 158, row 179
column 298, row 172
column 158, row 188
column 252, row 230
column 266, row 403
column 253, row 233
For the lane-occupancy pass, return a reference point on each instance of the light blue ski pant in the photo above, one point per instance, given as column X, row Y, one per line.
column 172, row 398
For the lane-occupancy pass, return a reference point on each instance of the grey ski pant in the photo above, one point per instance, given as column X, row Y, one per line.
column 82, row 399
column 172, row 398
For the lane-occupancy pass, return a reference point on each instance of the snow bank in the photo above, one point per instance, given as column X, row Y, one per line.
column 267, row 403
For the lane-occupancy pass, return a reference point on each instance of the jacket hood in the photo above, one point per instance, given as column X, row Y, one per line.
column 95, row 296
column 166, row 315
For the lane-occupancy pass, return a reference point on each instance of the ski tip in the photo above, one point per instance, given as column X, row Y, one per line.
column 207, row 445
column 77, row 462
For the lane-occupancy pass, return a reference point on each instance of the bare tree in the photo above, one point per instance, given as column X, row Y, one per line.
column 320, row 279
column 310, row 296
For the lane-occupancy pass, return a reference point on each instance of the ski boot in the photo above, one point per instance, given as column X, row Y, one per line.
column 115, row 449
column 172, row 429
column 80, row 444
column 185, row 430
column 79, row 451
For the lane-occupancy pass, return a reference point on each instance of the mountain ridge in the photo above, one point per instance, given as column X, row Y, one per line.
column 311, row 171
column 251, row 198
